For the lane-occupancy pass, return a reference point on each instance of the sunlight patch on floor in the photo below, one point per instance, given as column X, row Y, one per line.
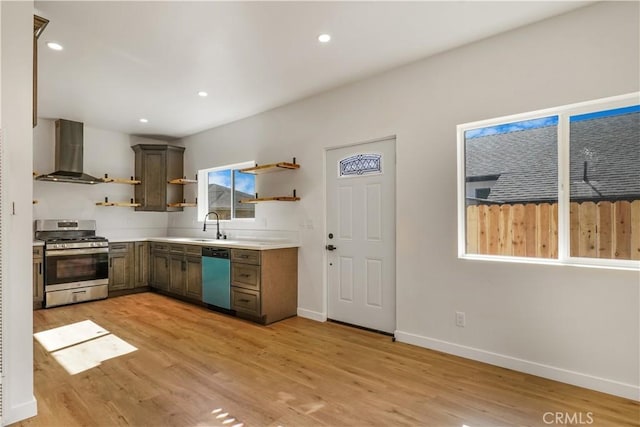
column 83, row 345
column 222, row 418
column 65, row 336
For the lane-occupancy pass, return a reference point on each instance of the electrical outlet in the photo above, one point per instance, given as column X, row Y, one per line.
column 460, row 319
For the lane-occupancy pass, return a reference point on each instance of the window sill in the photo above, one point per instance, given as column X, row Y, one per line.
column 574, row 262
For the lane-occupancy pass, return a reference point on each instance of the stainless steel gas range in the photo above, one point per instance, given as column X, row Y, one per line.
column 76, row 261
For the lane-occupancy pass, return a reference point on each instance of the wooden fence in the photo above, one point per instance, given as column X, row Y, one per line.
column 597, row 230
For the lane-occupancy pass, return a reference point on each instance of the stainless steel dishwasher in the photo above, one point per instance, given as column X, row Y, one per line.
column 216, row 277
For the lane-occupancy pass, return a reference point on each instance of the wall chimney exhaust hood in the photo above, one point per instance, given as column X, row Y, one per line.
column 69, row 152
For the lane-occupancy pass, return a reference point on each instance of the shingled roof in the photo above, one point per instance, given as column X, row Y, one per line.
column 526, row 161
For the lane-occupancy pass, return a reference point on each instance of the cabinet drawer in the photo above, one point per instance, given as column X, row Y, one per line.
column 246, row 256
column 37, row 251
column 245, row 301
column 177, row 249
column 245, row 275
column 119, row 247
column 193, row 250
column 159, row 247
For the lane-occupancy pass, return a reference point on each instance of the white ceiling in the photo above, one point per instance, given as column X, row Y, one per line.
column 126, row 60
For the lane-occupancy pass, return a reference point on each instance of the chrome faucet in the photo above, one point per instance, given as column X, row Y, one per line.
column 204, row 227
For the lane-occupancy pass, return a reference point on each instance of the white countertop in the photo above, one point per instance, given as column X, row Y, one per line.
column 259, row 245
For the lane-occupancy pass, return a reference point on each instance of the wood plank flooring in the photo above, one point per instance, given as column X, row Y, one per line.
column 191, row 361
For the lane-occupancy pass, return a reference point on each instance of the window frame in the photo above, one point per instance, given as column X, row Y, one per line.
column 564, row 113
column 203, row 190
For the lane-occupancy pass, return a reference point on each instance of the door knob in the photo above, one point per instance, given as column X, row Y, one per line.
column 330, row 248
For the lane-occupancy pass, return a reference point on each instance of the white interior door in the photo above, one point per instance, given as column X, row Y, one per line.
column 361, row 227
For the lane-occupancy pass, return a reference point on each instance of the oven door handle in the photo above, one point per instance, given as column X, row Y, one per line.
column 69, row 252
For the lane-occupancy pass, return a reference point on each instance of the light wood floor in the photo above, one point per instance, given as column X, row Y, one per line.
column 294, row 373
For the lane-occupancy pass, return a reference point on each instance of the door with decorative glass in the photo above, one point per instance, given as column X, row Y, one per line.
column 360, row 241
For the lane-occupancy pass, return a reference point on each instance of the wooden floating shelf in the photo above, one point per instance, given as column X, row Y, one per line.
column 183, row 181
column 182, row 205
column 120, row 181
column 274, row 167
column 119, row 204
column 272, row 199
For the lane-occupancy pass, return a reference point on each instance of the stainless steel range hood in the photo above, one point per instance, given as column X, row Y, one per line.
column 69, row 152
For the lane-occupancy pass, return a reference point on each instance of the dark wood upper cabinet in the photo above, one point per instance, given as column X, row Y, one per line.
column 155, row 166
column 39, row 23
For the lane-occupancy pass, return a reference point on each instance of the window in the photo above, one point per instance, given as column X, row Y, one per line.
column 512, row 176
column 220, row 189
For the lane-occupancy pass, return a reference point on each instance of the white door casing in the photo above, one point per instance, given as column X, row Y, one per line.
column 360, row 188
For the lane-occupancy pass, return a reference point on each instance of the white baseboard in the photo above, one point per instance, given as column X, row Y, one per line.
column 604, row 385
column 313, row 315
column 20, row 412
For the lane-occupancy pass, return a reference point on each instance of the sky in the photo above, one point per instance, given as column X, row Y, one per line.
column 244, row 182
column 512, row 127
column 546, row 121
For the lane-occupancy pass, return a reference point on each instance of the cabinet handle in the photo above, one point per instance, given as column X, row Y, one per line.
column 184, row 265
column 110, row 262
column 244, row 256
column 243, row 300
column 244, row 275
column 40, row 268
column 166, row 263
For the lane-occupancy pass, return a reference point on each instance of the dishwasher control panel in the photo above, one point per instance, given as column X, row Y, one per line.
column 215, row 252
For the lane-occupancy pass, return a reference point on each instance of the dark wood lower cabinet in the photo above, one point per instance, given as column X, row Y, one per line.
column 159, row 266
column 264, row 284
column 121, row 269
column 177, row 269
column 38, row 277
column 128, row 267
column 141, row 266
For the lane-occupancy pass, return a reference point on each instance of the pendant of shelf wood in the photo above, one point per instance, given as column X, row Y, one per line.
column 182, row 205
column 274, row 167
column 183, row 181
column 119, row 204
column 272, row 199
column 120, row 180
column 129, row 204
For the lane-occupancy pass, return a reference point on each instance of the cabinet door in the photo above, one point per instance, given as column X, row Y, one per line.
column 141, row 265
column 177, row 273
column 38, row 282
column 151, row 192
column 155, row 165
column 194, row 277
column 160, row 270
column 120, row 266
column 118, row 271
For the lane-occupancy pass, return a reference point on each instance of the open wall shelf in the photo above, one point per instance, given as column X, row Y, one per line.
column 120, row 180
column 119, row 204
column 273, row 167
column 182, row 205
column 183, row 181
column 272, row 199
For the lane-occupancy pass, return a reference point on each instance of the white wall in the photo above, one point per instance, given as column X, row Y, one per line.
column 104, row 152
column 17, row 39
column 578, row 325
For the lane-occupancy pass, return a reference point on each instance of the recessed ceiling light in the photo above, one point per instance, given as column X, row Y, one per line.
column 324, row 38
column 202, row 93
column 144, row 121
column 54, row 46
